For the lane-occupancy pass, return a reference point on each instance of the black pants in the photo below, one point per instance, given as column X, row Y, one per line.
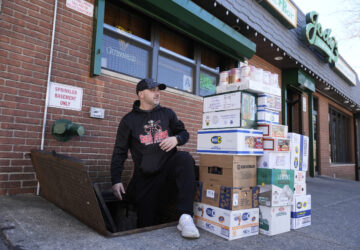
column 176, row 178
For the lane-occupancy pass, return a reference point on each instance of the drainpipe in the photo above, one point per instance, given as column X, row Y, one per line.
column 48, row 85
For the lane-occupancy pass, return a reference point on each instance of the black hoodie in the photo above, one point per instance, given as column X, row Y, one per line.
column 142, row 131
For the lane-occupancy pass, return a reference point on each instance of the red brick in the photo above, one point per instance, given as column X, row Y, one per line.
column 9, row 184
column 29, row 183
column 4, row 177
column 15, row 177
column 14, row 191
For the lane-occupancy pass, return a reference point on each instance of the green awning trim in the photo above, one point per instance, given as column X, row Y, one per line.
column 299, row 79
column 99, row 9
column 191, row 19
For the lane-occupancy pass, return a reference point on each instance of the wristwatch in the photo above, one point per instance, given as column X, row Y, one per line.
column 178, row 139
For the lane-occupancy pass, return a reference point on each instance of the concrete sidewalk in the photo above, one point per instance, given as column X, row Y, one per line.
column 31, row 222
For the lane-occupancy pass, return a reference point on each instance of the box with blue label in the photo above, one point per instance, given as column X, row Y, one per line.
column 268, row 116
column 234, row 141
column 221, row 102
column 301, row 211
column 299, row 151
column 276, row 186
column 270, row 102
column 230, row 198
column 230, row 225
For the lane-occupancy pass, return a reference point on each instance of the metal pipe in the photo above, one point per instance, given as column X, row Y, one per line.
column 48, row 84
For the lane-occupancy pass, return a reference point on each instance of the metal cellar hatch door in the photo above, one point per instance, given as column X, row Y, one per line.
column 65, row 182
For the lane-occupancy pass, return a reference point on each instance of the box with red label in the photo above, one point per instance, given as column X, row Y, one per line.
column 274, row 220
column 276, row 144
column 273, row 130
column 230, row 225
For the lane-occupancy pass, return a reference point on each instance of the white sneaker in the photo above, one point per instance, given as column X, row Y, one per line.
column 187, row 227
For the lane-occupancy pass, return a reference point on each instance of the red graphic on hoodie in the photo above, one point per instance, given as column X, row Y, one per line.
column 154, row 133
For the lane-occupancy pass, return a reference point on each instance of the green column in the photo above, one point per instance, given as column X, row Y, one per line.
column 98, row 26
column 283, row 103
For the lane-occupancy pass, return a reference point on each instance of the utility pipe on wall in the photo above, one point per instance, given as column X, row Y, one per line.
column 48, row 84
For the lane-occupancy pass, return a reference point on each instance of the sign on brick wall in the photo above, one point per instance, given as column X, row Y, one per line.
column 81, row 6
column 65, row 96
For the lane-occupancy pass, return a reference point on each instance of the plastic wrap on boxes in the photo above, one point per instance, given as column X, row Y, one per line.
column 276, row 187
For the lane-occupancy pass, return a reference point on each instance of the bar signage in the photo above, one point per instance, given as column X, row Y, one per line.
column 345, row 71
column 284, row 10
column 313, row 33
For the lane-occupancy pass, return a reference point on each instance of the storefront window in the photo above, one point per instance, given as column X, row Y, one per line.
column 124, row 55
column 339, row 136
column 136, row 45
column 207, row 83
column 175, row 73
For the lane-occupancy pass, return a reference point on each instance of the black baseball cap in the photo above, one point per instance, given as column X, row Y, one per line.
column 149, row 83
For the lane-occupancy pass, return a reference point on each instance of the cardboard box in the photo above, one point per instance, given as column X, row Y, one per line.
column 300, row 189
column 268, row 116
column 276, row 144
column 300, row 177
column 301, row 212
column 228, row 170
column 299, row 151
column 274, row 220
column 230, row 141
column 274, row 160
column 270, row 102
column 222, row 119
column 221, row 102
column 273, row 130
column 230, row 198
column 276, row 186
column 230, row 225
column 258, row 87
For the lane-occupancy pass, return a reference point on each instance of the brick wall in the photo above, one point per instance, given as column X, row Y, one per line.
column 325, row 168
column 25, row 36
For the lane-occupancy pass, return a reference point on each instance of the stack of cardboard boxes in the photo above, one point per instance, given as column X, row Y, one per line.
column 301, row 205
column 227, row 196
column 243, row 169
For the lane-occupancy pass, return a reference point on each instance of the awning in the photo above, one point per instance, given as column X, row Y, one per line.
column 191, row 19
column 299, row 79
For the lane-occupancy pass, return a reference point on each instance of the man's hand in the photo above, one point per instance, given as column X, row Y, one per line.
column 118, row 188
column 169, row 143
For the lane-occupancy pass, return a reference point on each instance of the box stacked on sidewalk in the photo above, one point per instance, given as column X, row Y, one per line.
column 299, row 157
column 227, row 197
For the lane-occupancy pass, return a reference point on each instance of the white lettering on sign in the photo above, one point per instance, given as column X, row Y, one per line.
column 81, row 6
column 65, row 96
column 286, row 9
